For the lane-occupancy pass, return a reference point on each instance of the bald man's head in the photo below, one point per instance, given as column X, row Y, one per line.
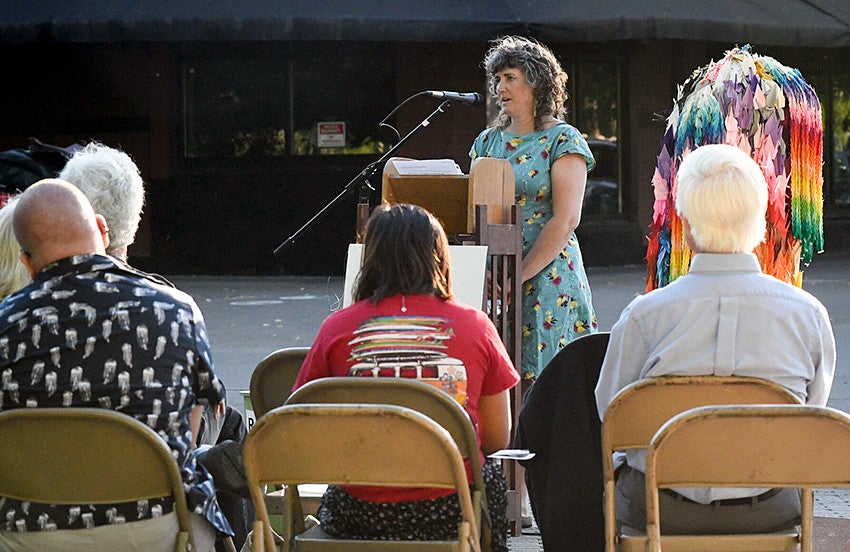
column 54, row 220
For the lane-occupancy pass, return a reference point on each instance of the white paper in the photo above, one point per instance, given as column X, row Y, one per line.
column 512, row 454
column 468, row 263
column 426, row 166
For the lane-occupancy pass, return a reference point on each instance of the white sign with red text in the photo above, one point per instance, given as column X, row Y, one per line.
column 331, row 135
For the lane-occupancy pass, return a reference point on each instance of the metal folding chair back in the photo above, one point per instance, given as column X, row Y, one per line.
column 274, row 376
column 416, row 395
column 349, row 444
column 87, row 456
column 641, row 408
column 748, row 446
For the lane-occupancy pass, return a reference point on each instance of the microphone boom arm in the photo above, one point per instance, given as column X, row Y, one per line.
column 364, row 175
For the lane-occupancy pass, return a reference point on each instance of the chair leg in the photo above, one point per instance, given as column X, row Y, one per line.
column 228, row 544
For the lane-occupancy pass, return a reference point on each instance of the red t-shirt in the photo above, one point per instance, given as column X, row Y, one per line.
column 442, row 342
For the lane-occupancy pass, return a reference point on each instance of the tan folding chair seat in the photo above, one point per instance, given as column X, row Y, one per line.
column 747, row 446
column 416, row 395
column 347, row 444
column 641, row 408
column 88, row 456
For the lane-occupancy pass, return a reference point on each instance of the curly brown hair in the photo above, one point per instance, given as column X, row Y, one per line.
column 542, row 72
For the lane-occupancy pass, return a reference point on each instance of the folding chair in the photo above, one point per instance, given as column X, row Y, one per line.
column 347, row 444
column 641, row 408
column 88, row 456
column 274, row 376
column 416, row 395
column 747, row 446
column 271, row 382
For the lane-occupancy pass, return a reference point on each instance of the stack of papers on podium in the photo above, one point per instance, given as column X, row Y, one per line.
column 426, row 166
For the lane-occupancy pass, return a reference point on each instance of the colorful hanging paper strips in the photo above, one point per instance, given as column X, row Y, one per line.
column 766, row 109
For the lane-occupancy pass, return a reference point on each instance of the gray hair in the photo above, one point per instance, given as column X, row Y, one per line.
column 543, row 73
column 111, row 181
column 722, row 193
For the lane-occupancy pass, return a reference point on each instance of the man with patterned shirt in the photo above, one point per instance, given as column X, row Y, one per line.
column 90, row 332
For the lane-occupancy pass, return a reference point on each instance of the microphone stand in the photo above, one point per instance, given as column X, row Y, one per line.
column 362, row 178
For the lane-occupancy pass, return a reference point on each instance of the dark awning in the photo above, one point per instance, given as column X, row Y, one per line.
column 817, row 23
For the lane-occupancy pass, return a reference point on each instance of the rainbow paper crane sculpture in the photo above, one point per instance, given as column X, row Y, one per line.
column 767, row 110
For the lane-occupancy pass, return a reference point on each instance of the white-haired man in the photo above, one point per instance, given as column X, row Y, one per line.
column 725, row 317
column 113, row 184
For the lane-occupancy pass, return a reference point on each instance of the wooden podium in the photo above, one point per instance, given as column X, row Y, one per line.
column 452, row 197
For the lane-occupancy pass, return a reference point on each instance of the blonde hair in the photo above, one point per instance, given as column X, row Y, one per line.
column 13, row 274
column 722, row 193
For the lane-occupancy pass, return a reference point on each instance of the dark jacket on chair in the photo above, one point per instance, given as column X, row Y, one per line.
column 560, row 423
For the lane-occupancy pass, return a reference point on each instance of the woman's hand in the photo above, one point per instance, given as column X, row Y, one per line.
column 569, row 177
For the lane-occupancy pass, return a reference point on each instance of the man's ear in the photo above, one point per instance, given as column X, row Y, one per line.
column 26, row 260
column 104, row 230
column 689, row 238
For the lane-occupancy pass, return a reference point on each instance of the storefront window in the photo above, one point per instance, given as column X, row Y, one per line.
column 339, row 94
column 235, row 108
column 248, row 106
column 840, row 173
column 594, row 110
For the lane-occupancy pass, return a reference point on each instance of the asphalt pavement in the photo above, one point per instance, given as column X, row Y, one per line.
column 249, row 317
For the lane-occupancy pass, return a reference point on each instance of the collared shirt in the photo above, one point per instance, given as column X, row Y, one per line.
column 92, row 332
column 725, row 317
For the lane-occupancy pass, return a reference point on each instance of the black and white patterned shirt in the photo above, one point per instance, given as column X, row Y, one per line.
column 93, row 332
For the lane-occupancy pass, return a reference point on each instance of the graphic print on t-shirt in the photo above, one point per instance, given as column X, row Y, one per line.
column 409, row 347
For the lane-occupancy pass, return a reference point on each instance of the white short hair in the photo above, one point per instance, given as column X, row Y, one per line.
column 722, row 193
column 111, row 181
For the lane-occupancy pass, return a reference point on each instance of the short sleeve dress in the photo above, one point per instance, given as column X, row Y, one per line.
column 556, row 303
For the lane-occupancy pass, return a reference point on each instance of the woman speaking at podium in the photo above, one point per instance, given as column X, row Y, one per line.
column 550, row 160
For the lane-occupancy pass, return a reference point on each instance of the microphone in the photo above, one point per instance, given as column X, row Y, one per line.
column 469, row 98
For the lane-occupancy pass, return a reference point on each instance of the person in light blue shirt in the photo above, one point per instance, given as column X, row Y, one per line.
column 725, row 317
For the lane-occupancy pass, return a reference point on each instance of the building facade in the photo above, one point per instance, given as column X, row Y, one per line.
column 245, row 126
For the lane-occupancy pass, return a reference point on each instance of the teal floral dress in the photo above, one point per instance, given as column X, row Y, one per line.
column 556, row 303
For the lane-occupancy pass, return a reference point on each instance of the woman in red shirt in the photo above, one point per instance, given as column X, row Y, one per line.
column 405, row 323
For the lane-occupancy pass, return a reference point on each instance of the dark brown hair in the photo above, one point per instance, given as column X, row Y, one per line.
column 405, row 251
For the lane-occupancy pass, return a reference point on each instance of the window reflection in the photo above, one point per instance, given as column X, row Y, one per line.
column 340, row 83
column 840, row 181
column 250, row 107
column 595, row 112
column 234, row 108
